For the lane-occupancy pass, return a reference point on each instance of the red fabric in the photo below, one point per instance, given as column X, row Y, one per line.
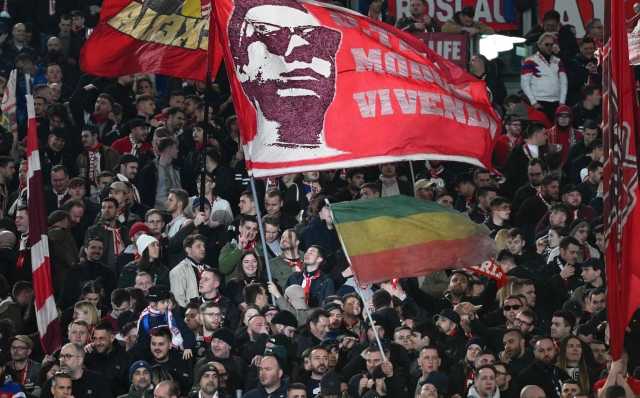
column 503, row 146
column 46, row 313
column 621, row 214
column 100, row 119
column 538, row 116
column 633, row 383
column 111, row 320
column 123, row 145
column 489, row 268
column 349, row 107
column 117, row 42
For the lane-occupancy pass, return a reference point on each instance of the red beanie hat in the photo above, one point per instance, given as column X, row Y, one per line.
column 138, row 227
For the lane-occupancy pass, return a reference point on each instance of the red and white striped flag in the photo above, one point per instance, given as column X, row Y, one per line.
column 46, row 312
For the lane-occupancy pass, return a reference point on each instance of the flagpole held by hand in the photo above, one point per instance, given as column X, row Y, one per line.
column 262, row 237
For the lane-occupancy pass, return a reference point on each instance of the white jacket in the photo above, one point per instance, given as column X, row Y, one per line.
column 184, row 284
column 542, row 80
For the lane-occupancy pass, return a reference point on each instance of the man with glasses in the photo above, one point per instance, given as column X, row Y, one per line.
column 504, row 380
column 223, row 346
column 84, row 383
column 25, row 368
column 543, row 77
column 506, row 142
column 209, row 294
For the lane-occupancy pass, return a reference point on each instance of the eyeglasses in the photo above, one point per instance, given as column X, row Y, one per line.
column 17, row 348
column 519, row 321
column 67, row 357
column 534, row 174
column 214, row 315
column 510, row 307
column 155, row 222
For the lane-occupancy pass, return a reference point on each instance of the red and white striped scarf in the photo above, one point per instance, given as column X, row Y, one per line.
column 24, row 242
column 118, row 243
column 306, row 283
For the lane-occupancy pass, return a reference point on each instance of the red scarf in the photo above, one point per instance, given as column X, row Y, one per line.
column 296, row 265
column 527, row 151
column 539, row 194
column 587, row 252
column 435, row 173
column 24, row 242
column 99, row 119
column 250, row 245
column 272, row 183
column 199, row 145
column 23, row 373
column 118, row 243
column 306, row 284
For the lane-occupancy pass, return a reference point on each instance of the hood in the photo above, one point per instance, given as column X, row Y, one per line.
column 564, row 108
column 473, row 392
column 520, row 111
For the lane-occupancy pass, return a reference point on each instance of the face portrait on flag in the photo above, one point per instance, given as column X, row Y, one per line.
column 285, row 60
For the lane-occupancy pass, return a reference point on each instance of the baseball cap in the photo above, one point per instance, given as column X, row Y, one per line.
column 138, row 123
column 569, row 188
column 22, row 338
column 119, row 186
column 594, row 263
column 449, row 315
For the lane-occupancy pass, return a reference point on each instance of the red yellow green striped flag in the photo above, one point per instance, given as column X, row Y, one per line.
column 401, row 237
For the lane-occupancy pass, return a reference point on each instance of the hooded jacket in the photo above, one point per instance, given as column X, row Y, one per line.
column 133, row 393
column 566, row 136
column 473, row 393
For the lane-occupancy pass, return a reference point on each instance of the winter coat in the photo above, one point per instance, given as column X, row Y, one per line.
column 260, row 392
column 323, row 288
column 184, row 284
column 130, row 271
column 114, row 366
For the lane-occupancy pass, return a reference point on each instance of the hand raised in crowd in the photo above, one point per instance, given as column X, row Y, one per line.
column 200, row 218
column 243, row 240
column 504, row 357
column 256, row 360
column 347, row 343
column 273, row 289
column 364, row 384
column 88, row 348
column 187, row 354
column 419, row 25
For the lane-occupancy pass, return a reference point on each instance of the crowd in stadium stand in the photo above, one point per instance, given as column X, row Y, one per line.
column 157, row 298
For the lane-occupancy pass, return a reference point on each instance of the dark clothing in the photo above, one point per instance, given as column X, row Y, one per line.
column 228, row 309
column 408, row 24
column 108, row 254
column 523, row 193
column 114, row 366
column 519, row 364
column 495, row 228
column 180, row 369
column 280, row 392
column 581, row 162
column 234, row 288
column 90, row 385
column 477, row 215
column 124, row 96
column 496, row 87
column 515, row 168
column 235, row 366
column 316, row 233
column 320, row 288
column 588, row 191
column 580, row 114
column 225, row 184
column 548, row 378
column 567, row 40
column 556, row 290
column 81, row 272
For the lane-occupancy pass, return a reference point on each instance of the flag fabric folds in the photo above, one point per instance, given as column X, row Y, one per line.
column 152, row 36
column 401, row 236
column 621, row 214
column 46, row 312
column 317, row 86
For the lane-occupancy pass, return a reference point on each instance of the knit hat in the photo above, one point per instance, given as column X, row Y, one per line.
column 285, row 318
column 138, row 227
column 225, row 335
column 144, row 241
column 57, row 216
column 137, row 365
column 297, row 296
column 330, row 384
column 573, row 306
column 576, row 225
column 479, row 341
column 209, row 367
column 438, row 380
column 279, row 339
column 196, row 202
column 276, row 350
column 449, row 315
column 158, row 292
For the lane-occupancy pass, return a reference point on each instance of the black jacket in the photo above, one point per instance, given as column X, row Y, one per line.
column 90, row 385
column 114, row 366
column 148, row 183
column 228, row 308
column 556, row 290
column 539, row 375
column 180, row 369
column 567, row 39
column 323, row 288
column 81, row 272
column 515, row 168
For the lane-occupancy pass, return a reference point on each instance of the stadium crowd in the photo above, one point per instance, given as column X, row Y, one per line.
column 159, row 299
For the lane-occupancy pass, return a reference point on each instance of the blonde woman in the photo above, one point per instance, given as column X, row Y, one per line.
column 85, row 311
column 501, row 240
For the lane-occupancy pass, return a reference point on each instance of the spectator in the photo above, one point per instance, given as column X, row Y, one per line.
column 418, row 21
column 463, row 22
column 543, row 78
column 551, row 24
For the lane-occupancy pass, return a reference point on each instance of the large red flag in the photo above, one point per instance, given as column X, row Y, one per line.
column 46, row 313
column 621, row 213
column 318, row 86
column 169, row 37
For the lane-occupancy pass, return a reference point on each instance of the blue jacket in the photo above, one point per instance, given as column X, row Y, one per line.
column 316, row 233
column 260, row 392
column 21, row 102
column 144, row 340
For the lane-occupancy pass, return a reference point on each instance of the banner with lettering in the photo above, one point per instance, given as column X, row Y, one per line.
column 152, row 36
column 575, row 12
column 320, row 87
column 491, row 270
column 450, row 46
column 498, row 14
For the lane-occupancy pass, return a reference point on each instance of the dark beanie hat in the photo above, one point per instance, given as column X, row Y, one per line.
column 225, row 335
column 479, row 341
column 137, row 365
column 209, row 367
column 285, row 318
column 377, row 373
column 279, row 339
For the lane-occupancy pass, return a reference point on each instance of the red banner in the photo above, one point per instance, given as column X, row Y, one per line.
column 450, row 46
column 489, row 12
column 154, row 36
column 621, row 213
column 322, row 87
column 491, row 270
